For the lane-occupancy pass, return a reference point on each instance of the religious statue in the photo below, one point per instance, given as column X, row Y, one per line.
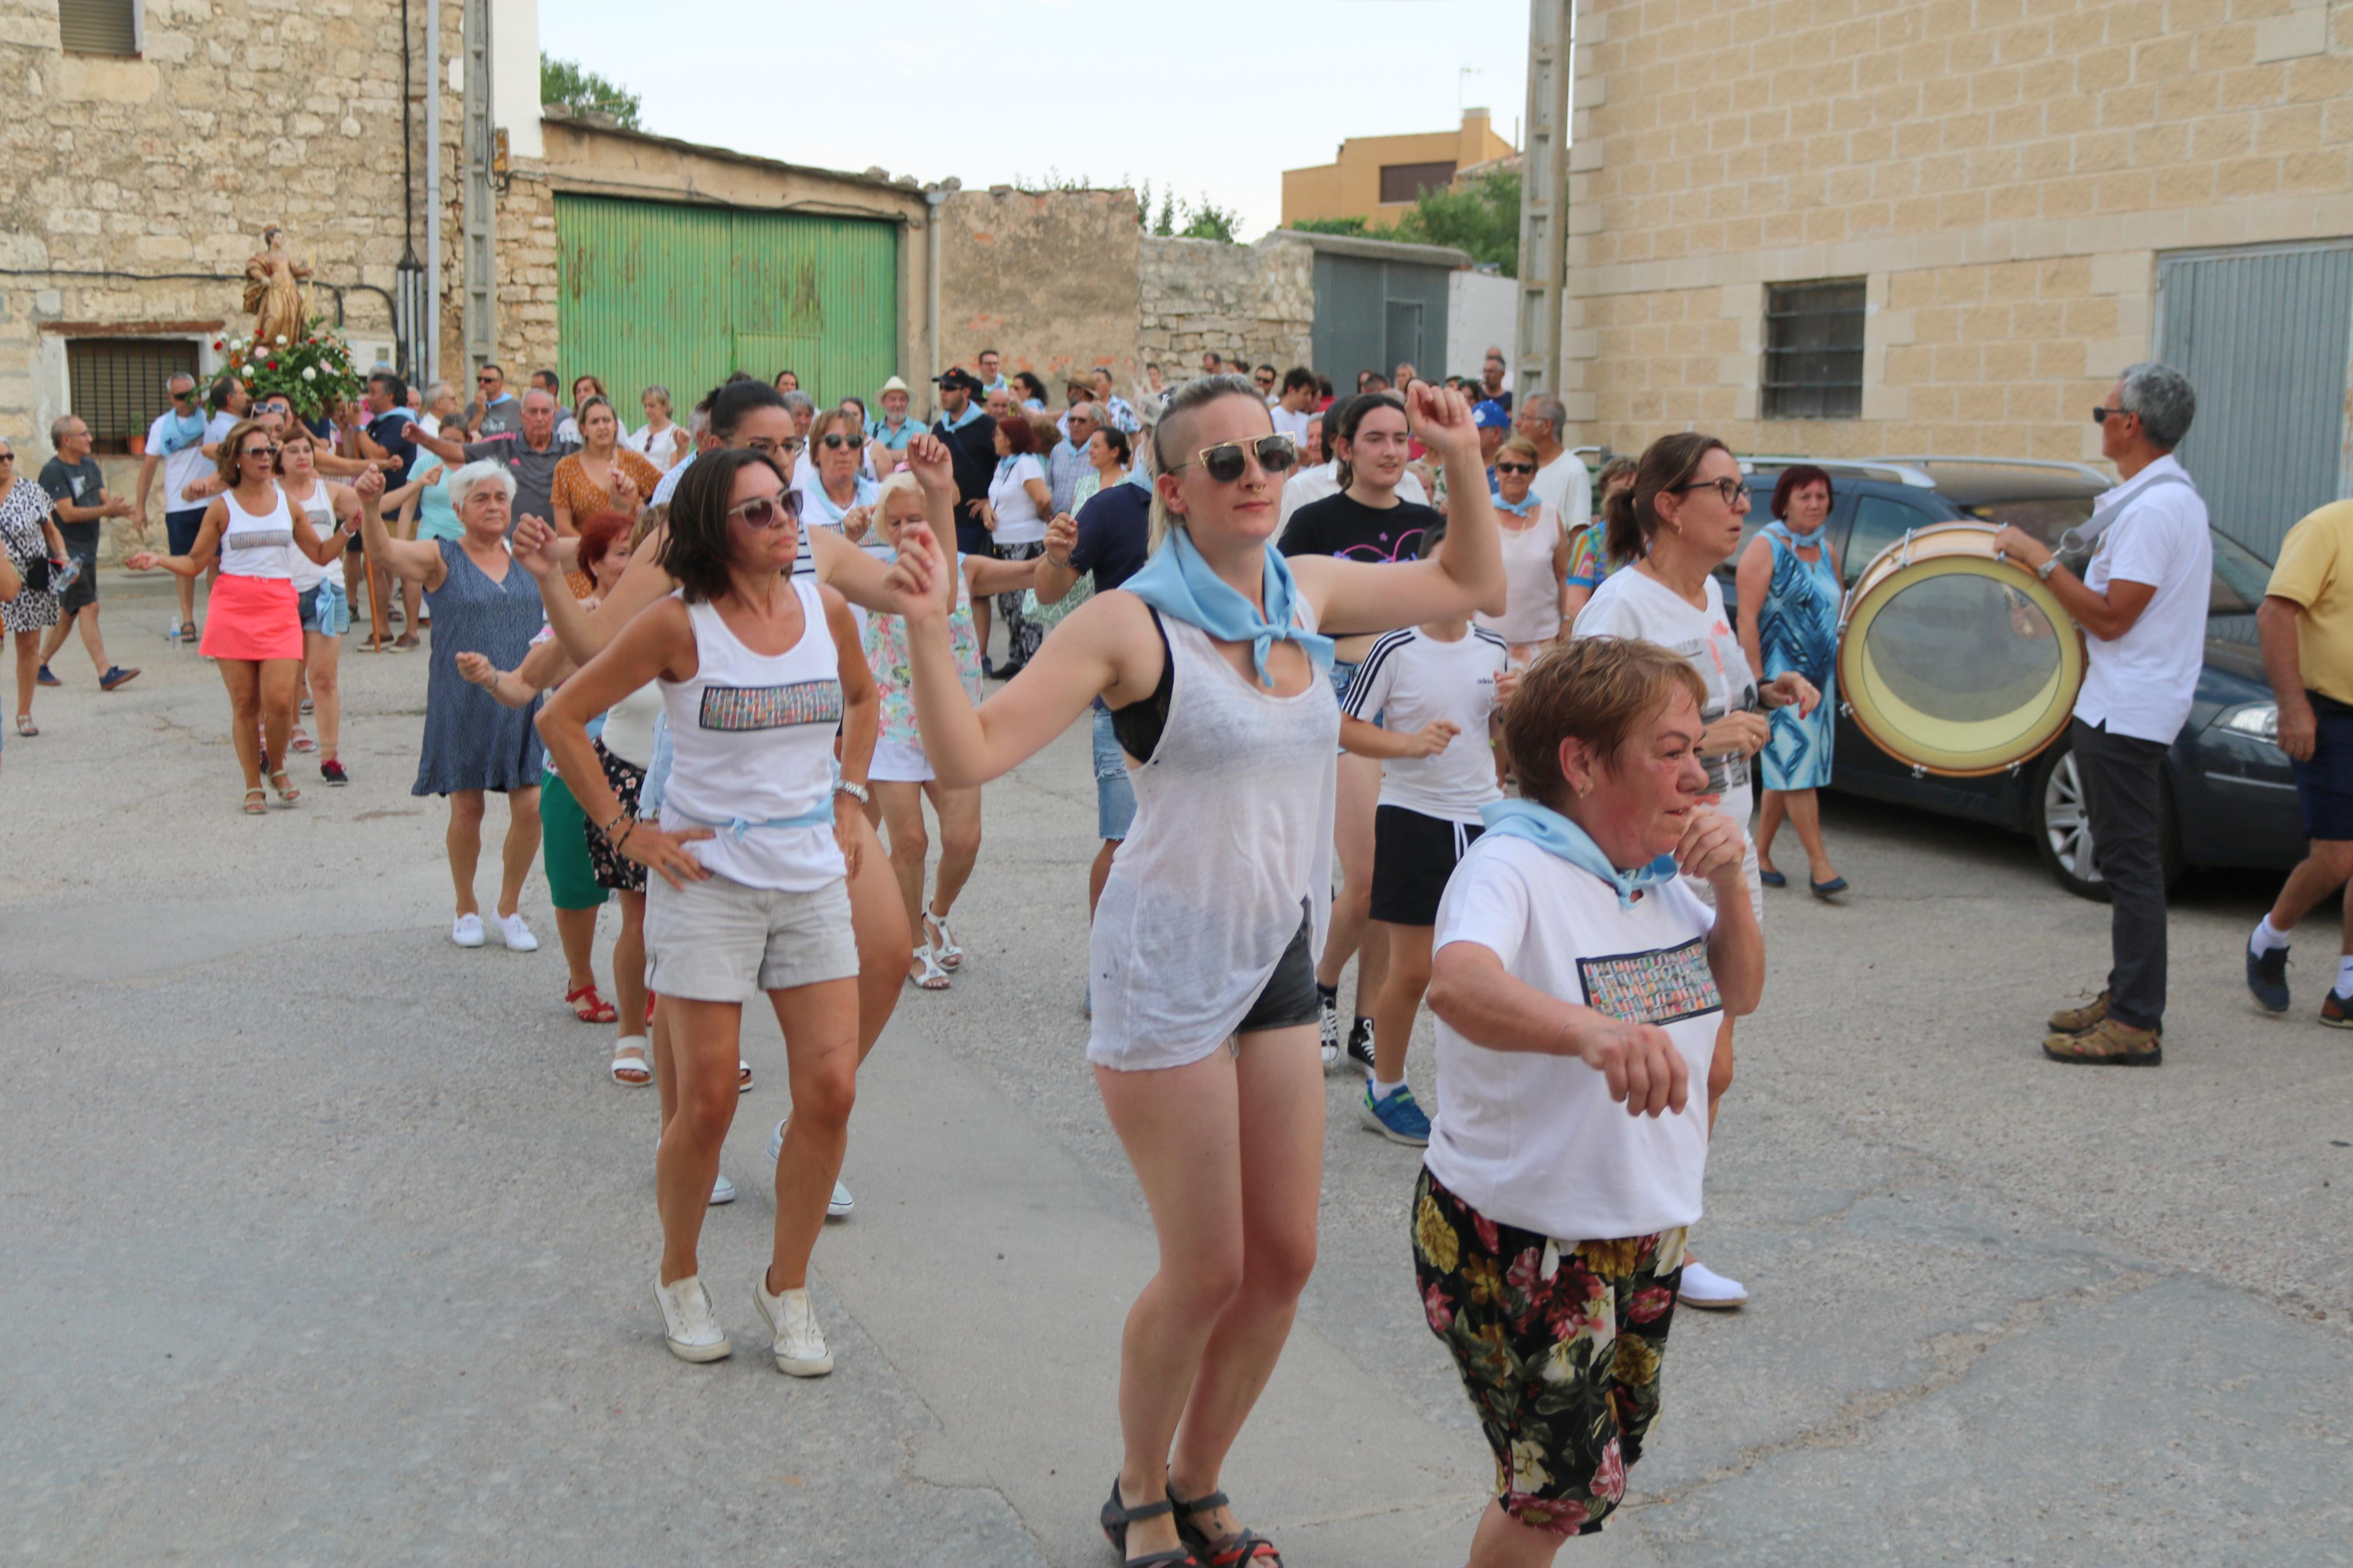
column 273, row 291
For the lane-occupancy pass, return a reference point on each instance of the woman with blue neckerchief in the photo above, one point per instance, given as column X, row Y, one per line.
column 1535, row 558
column 1201, row 962
column 842, row 498
column 1577, row 970
column 1789, row 597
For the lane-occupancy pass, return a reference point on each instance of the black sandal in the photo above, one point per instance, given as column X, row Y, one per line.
column 1240, row 1549
column 1117, row 1516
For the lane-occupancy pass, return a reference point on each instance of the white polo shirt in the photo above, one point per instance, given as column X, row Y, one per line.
column 2141, row 683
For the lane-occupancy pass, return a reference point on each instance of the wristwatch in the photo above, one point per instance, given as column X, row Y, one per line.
column 856, row 791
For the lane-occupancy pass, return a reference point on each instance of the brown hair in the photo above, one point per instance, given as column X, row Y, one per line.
column 1592, row 689
column 232, row 444
column 1632, row 516
column 696, row 550
column 1795, row 478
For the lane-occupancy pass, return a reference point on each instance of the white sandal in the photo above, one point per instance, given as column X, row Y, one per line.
column 630, row 1057
column 944, row 948
column 934, row 977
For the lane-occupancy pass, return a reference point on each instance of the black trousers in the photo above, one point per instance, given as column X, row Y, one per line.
column 2122, row 796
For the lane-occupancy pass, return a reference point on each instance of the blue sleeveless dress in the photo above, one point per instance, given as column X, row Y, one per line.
column 1796, row 629
column 471, row 741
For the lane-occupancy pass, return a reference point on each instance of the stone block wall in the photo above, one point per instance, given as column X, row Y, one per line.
column 527, row 276
column 1256, row 301
column 1049, row 281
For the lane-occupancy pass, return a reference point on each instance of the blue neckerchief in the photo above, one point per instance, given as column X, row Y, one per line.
column 185, row 431
column 948, row 426
column 1791, row 537
column 1525, row 507
column 817, row 815
column 862, row 493
column 1556, row 835
column 1177, row 581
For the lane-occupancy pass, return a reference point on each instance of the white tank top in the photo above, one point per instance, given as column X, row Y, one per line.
column 629, row 725
column 307, row 574
column 1531, row 592
column 1232, row 838
column 261, row 546
column 751, row 738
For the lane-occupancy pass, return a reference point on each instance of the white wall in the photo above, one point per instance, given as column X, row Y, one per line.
column 514, row 75
column 1482, row 311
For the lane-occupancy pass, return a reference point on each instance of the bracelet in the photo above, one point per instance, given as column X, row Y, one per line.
column 619, row 816
column 856, row 791
column 624, row 838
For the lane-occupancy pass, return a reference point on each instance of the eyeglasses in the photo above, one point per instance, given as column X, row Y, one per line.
column 1731, row 490
column 2101, row 415
column 766, row 447
column 259, row 452
column 835, row 440
column 1515, row 468
column 769, row 511
column 1227, row 461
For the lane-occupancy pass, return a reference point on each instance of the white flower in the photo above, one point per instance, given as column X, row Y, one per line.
column 282, row 340
column 308, row 373
column 246, row 370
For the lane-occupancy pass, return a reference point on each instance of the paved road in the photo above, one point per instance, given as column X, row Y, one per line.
column 327, row 1242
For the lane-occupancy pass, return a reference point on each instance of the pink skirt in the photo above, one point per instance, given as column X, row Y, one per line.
column 252, row 617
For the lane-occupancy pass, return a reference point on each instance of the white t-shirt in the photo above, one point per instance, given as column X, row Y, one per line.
column 1535, row 1141
column 1018, row 519
column 2142, row 682
column 661, row 451
column 1631, row 604
column 1287, row 423
column 1324, row 480
column 1410, row 679
column 1565, row 483
column 182, row 468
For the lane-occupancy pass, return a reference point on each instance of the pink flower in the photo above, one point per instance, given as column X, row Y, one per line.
column 1561, row 1516
column 1648, row 1305
column 1439, row 1310
column 1522, row 1276
column 1609, row 1482
column 1486, row 1229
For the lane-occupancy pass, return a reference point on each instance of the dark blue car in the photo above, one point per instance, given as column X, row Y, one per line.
column 2230, row 798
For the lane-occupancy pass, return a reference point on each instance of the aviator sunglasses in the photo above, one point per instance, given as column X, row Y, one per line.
column 1225, row 462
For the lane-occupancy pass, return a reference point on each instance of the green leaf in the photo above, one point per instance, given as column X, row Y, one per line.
column 573, row 85
column 1480, row 215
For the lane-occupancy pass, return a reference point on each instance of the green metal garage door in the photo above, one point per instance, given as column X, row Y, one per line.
column 657, row 291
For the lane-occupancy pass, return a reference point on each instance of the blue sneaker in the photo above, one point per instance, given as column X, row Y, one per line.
column 2267, row 979
column 1398, row 1118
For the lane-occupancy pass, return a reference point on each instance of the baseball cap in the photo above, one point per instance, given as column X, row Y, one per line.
column 958, row 376
column 1489, row 415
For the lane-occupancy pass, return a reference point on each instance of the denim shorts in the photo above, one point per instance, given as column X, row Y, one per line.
column 325, row 609
column 2324, row 785
column 1115, row 791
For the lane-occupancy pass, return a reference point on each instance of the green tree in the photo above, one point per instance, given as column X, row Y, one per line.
column 1168, row 223
column 1205, row 219
column 576, row 87
column 1328, row 225
column 1481, row 216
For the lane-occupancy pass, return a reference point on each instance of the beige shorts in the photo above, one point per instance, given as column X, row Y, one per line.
column 719, row 941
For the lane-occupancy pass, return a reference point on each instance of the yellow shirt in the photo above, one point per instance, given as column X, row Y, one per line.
column 2315, row 571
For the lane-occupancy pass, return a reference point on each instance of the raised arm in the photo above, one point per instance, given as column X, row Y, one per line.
column 541, row 553
column 416, row 561
column 1056, row 576
column 1360, row 596
column 441, row 446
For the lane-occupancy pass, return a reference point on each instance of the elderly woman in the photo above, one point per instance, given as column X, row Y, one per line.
column 481, row 603
column 1577, row 972
column 1535, row 557
column 660, row 441
column 33, row 548
column 842, row 499
column 1789, row 595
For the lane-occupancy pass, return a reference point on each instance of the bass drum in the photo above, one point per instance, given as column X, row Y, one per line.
column 1954, row 659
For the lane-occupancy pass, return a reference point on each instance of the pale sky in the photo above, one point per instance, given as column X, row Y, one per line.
column 1215, row 96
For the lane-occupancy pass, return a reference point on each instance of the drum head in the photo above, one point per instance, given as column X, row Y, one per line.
column 1958, row 664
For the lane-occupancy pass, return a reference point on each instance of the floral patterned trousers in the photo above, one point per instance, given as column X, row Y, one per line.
column 1558, row 1345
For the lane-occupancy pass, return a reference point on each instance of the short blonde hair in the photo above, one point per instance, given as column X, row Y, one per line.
column 1593, row 690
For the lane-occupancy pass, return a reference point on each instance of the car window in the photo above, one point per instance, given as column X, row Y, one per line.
column 2241, row 577
column 2046, row 518
column 1879, row 521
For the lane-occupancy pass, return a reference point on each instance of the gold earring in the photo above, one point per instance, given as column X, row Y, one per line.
column 1584, row 790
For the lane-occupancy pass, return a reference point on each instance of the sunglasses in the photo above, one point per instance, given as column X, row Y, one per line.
column 486, row 381
column 7, row 456
column 1228, row 461
column 1730, row 490
column 836, row 440
column 182, row 397
column 1515, row 468
column 259, row 452
column 2101, row 415
column 769, row 511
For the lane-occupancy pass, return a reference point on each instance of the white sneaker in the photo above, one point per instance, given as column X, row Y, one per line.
column 792, row 1319
column 1704, row 1287
column 688, row 1326
column 517, row 935
column 839, row 1204
column 723, row 1191
column 466, row 930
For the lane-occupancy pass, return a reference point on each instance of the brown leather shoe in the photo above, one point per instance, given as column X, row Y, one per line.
column 2075, row 1020
column 2109, row 1043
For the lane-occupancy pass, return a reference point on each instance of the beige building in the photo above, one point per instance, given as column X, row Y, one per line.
column 1376, row 178
column 1883, row 227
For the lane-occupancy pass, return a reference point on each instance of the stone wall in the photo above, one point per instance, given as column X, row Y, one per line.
column 1252, row 301
column 1049, row 281
column 2004, row 175
column 528, row 331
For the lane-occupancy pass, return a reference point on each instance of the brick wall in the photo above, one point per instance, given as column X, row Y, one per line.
column 2003, row 172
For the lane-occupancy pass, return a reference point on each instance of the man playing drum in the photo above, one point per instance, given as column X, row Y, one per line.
column 2142, row 604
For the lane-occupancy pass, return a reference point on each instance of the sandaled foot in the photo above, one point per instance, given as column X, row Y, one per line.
column 26, row 726
column 1117, row 1518
column 942, row 940
column 287, row 793
column 589, row 1007
column 926, row 972
column 257, row 803
column 1235, row 1549
column 630, row 1068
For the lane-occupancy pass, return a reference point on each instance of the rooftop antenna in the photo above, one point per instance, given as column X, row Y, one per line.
column 1462, row 76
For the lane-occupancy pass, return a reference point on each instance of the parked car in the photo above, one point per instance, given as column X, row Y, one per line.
column 2230, row 795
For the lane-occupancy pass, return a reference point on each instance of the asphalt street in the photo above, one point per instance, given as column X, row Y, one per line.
column 328, row 1242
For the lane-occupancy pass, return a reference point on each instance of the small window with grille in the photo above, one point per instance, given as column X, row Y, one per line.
column 1406, row 182
column 1813, row 349
column 98, row 26
column 117, row 383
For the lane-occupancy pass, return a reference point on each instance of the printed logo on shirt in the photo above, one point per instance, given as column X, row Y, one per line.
column 1660, row 987
column 747, row 708
column 259, row 538
column 1725, row 770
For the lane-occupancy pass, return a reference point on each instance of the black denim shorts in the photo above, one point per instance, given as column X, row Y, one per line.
column 1289, row 997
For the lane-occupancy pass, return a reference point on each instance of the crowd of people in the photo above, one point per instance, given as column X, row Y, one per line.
column 1385, row 678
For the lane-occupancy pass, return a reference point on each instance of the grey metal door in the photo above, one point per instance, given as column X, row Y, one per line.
column 2265, row 335
column 1402, row 334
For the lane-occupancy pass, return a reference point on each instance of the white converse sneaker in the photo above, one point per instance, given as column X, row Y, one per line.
column 723, row 1191
column 840, row 1206
column 517, row 935
column 792, row 1319
column 1704, row 1287
column 466, row 930
column 688, row 1326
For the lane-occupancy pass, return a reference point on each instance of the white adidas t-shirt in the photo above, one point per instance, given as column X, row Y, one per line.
column 1535, row 1141
column 1630, row 604
column 1410, row 679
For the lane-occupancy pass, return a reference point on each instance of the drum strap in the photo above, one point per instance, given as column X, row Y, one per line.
column 2099, row 522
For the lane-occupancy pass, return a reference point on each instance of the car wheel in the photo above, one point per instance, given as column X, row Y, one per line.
column 2062, row 826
